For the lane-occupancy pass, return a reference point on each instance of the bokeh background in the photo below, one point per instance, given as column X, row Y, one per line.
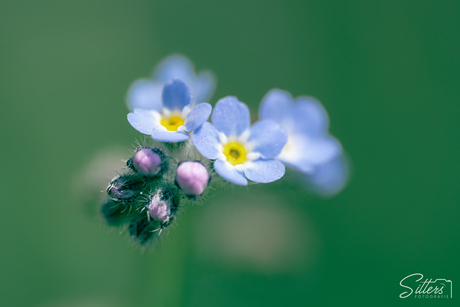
column 388, row 72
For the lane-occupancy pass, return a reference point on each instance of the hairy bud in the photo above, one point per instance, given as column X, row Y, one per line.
column 125, row 188
column 163, row 204
column 149, row 162
column 192, row 178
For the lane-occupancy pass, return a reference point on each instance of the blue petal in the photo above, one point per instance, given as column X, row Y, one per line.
column 268, row 138
column 176, row 95
column 203, row 86
column 229, row 172
column 178, row 66
column 169, row 136
column 309, row 116
column 145, row 94
column 264, row 171
column 322, row 149
column 275, row 105
column 329, row 178
column 197, row 116
column 303, row 166
column 306, row 153
column 306, row 114
column 175, row 66
column 231, row 116
column 206, row 140
column 142, row 120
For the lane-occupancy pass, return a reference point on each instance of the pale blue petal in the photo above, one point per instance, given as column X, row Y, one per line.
column 264, row 171
column 169, row 136
column 229, row 172
column 329, row 178
column 268, row 138
column 142, row 120
column 276, row 105
column 321, row 150
column 175, row 66
column 305, row 114
column 311, row 152
column 206, row 141
column 203, row 86
column 231, row 116
column 303, row 166
column 145, row 94
column 176, row 95
column 197, row 116
column 309, row 116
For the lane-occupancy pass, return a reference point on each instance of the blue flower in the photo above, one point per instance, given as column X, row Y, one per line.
column 170, row 120
column 240, row 151
column 310, row 148
column 146, row 93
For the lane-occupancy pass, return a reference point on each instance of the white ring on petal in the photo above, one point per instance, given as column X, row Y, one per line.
column 221, row 156
column 242, row 139
column 223, row 138
column 253, row 156
column 185, row 111
column 240, row 167
column 160, row 128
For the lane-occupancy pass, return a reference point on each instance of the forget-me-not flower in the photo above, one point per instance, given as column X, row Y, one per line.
column 171, row 119
column 241, row 151
column 310, row 148
column 146, row 93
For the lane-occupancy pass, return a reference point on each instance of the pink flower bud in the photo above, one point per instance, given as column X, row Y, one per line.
column 192, row 177
column 159, row 209
column 146, row 162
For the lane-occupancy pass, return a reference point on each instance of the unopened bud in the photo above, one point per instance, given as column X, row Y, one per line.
column 125, row 188
column 162, row 205
column 192, row 178
column 159, row 210
column 148, row 161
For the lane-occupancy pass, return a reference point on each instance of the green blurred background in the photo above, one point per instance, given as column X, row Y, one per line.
column 388, row 72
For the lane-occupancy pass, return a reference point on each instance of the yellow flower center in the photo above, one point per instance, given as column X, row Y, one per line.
column 235, row 153
column 172, row 123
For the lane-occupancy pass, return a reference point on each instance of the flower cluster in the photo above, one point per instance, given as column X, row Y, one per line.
column 148, row 195
column 172, row 109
